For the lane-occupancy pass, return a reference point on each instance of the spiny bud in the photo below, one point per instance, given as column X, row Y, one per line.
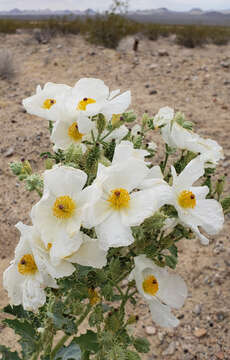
column 101, row 123
column 129, row 117
column 220, row 185
column 16, row 168
column 132, row 319
column 144, row 119
column 49, row 164
column 27, row 167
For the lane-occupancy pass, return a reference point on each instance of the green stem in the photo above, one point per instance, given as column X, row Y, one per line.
column 66, row 337
column 165, row 161
column 110, row 131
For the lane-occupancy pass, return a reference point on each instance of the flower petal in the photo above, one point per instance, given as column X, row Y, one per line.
column 89, row 254
column 191, row 173
column 112, row 233
column 161, row 314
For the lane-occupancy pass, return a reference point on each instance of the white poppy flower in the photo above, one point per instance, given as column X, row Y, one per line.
column 135, row 130
column 59, row 213
column 177, row 136
column 117, row 134
column 66, row 133
column 31, row 270
column 92, row 97
column 89, row 254
column 193, row 208
column 119, row 206
column 162, row 290
column 47, row 102
column 164, row 116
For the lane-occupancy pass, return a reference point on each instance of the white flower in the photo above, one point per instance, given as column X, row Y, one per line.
column 59, row 213
column 162, row 290
column 119, row 206
column 125, row 150
column 117, row 134
column 164, row 116
column 89, row 253
column 92, row 97
column 135, row 130
column 66, row 133
column 47, row 102
column 193, row 208
column 31, row 270
column 177, row 136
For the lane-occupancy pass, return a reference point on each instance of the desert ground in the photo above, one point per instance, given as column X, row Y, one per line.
column 194, row 81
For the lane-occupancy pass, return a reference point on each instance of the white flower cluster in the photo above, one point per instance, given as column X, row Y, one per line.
column 121, row 196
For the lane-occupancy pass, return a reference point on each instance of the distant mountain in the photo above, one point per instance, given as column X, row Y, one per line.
column 160, row 15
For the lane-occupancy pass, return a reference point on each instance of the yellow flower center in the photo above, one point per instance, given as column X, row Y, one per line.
column 49, row 246
column 74, row 133
column 119, row 198
column 27, row 265
column 83, row 103
column 48, row 103
column 94, row 297
column 150, row 285
column 187, row 199
column 64, row 207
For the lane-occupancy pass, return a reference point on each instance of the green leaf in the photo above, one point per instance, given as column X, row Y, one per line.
column 131, row 355
column 171, row 261
column 173, row 250
column 17, row 311
column 28, row 339
column 88, row 341
column 226, row 203
column 71, row 352
column 141, row 345
column 7, row 354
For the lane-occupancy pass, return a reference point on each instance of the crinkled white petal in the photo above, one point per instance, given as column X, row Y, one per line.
column 96, row 213
column 142, row 204
column 126, row 175
column 172, row 290
column 64, row 180
column 125, row 150
column 33, row 294
column 161, row 314
column 91, row 88
column 117, row 105
column 191, row 173
column 89, row 254
column 112, row 233
column 117, row 134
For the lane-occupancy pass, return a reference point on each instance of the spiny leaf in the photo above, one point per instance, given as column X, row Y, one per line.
column 7, row 354
column 141, row 345
column 71, row 352
column 88, row 341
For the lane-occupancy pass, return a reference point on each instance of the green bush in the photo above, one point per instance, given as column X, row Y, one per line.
column 192, row 36
column 109, row 29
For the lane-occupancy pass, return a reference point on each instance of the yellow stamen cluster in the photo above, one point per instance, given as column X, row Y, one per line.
column 119, row 199
column 49, row 246
column 150, row 285
column 74, row 133
column 83, row 103
column 187, row 199
column 64, row 207
column 48, row 103
column 27, row 265
column 94, row 297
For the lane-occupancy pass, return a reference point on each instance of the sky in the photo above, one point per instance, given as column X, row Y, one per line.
column 101, row 5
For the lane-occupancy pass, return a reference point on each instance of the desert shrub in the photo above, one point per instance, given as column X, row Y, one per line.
column 7, row 69
column 192, row 36
column 109, row 29
column 219, row 36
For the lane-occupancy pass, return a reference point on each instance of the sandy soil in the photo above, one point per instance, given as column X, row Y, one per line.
column 192, row 80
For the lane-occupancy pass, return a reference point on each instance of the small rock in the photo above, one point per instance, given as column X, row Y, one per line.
column 59, row 46
column 49, row 50
column 147, row 86
column 226, row 82
column 220, row 355
column 150, row 330
column 9, row 152
column 153, row 92
column 220, row 316
column 197, row 309
column 200, row 332
column 92, row 53
column 225, row 64
column 153, row 66
column 163, row 52
column 170, row 349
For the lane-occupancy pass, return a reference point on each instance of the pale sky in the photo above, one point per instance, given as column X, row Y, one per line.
column 104, row 4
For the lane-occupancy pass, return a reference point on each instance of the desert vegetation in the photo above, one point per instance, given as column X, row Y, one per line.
column 107, row 30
